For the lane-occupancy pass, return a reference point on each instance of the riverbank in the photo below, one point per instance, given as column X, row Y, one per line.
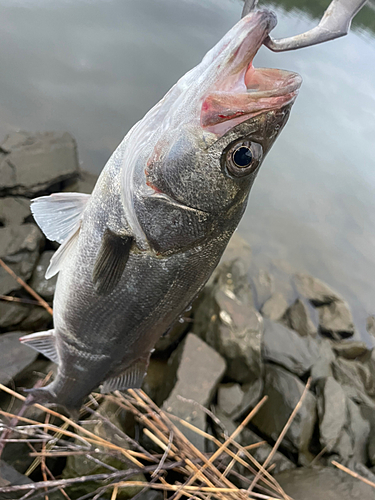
column 253, row 332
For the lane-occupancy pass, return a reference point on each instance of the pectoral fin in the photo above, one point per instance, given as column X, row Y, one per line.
column 43, row 342
column 131, row 378
column 111, row 261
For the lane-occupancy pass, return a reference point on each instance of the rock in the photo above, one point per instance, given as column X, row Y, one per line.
column 229, row 398
column 42, row 286
column 322, row 366
column 34, row 163
column 298, row 317
column 252, row 393
column 350, row 350
column 275, row 307
column 263, row 287
column 323, row 483
column 349, row 374
column 199, row 372
column 109, row 429
column 10, row 477
column 280, row 462
column 332, row 412
column 159, row 380
column 287, row 348
column 14, row 210
column 370, row 325
column 150, row 494
column 38, row 319
column 336, row 321
column 85, row 183
column 226, row 319
column 14, row 356
column 19, row 248
column 359, row 431
column 237, row 249
column 317, row 292
column 12, row 313
column 284, row 390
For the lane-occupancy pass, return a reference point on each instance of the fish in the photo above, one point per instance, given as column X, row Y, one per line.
column 137, row 251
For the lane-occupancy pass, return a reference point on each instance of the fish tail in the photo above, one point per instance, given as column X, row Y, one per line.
column 47, row 397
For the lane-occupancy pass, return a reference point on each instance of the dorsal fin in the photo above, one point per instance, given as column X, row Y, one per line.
column 43, row 342
column 110, row 261
column 58, row 214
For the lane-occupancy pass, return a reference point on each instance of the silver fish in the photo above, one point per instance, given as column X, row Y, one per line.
column 136, row 252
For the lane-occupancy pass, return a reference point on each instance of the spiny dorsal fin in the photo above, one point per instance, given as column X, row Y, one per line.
column 57, row 215
column 111, row 261
column 59, row 256
column 131, row 378
column 43, row 342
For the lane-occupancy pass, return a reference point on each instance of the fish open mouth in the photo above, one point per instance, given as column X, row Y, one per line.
column 241, row 91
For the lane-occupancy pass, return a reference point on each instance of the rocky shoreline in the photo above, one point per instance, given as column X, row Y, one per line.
column 246, row 336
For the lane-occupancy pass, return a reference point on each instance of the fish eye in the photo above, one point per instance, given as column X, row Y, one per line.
column 242, row 158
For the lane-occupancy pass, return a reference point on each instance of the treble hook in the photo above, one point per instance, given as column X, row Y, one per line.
column 335, row 23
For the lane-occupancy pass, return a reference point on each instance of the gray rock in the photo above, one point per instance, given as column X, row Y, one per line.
column 38, row 319
column 370, row 325
column 332, row 412
column 14, row 356
column 85, row 183
column 10, row 477
column 287, row 348
column 14, row 210
column 19, row 248
column 36, row 162
column 325, row 483
column 226, row 319
column 42, row 286
column 359, row 431
column 280, row 462
column 322, row 366
column 284, row 390
column 351, row 350
column 317, row 292
column 237, row 249
column 252, row 393
column 159, row 380
column 350, row 375
column 199, row 372
column 263, row 286
column 275, row 307
column 12, row 313
column 298, row 317
column 335, row 320
column 229, row 398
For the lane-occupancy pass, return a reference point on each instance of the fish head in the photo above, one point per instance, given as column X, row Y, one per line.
column 207, row 138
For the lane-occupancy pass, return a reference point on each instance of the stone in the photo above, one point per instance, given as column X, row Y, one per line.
column 336, row 321
column 159, row 380
column 351, row 350
column 227, row 320
column 298, row 317
column 38, row 320
column 85, row 183
column 229, row 398
column 108, row 428
column 280, row 462
column 14, row 356
column 150, row 494
column 323, row 483
column 45, row 288
column 317, row 292
column 10, row 477
column 199, row 371
column 275, row 307
column 359, row 431
column 322, row 366
column 332, row 412
column 349, row 374
column 263, row 286
column 34, row 163
column 237, row 249
column 12, row 313
column 284, row 390
column 252, row 393
column 287, row 348
column 14, row 211
column 370, row 325
column 19, row 248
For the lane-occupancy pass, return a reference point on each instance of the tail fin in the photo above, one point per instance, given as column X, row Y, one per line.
column 45, row 396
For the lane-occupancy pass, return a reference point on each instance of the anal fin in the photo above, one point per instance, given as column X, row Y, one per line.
column 131, row 378
column 111, row 261
column 43, row 342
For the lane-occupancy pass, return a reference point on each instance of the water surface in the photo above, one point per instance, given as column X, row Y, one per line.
column 96, row 67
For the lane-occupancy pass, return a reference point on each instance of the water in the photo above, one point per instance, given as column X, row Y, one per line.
column 95, row 67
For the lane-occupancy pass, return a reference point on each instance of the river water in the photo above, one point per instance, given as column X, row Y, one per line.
column 95, row 67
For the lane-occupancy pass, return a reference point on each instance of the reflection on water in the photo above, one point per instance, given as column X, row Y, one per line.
column 95, row 68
